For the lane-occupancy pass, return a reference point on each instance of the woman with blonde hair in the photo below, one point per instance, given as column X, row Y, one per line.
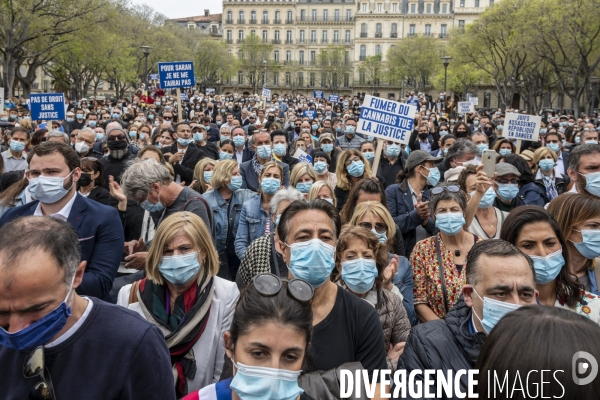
column 351, row 168
column 321, row 190
column 578, row 217
column 182, row 296
column 546, row 177
column 254, row 219
column 202, row 175
column 303, row 176
column 226, row 200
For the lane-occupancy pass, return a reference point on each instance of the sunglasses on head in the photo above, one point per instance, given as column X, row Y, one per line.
column 440, row 189
column 270, row 285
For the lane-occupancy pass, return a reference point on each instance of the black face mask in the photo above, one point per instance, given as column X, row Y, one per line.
column 116, row 144
column 297, row 129
column 271, row 119
column 84, row 180
column 488, row 132
column 423, row 136
column 461, row 134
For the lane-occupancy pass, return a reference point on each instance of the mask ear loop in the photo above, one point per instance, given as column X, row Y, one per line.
column 473, row 309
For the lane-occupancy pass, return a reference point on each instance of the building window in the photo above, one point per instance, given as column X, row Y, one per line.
column 461, row 24
column 395, row 8
column 347, row 57
column 277, row 36
column 377, row 49
column 276, row 55
column 300, row 79
column 348, row 15
column 363, row 52
column 275, row 78
column 412, row 29
column 379, row 8
column 362, row 77
column 289, row 17
column 378, row 30
column 427, row 29
column 265, row 17
column 364, row 7
column 241, row 16
column 277, row 17
column 241, row 35
column 394, row 33
column 288, row 56
column 313, row 57
column 252, row 17
column 240, row 54
column 428, row 9
column 462, row 3
column 288, row 79
column 252, row 32
column 229, row 17
column 302, row 15
column 323, row 79
column 443, row 30
column 413, row 8
column 229, row 36
column 347, row 37
column 476, row 3
column 301, row 57
column 313, row 36
column 444, row 8
column 336, row 15
column 363, row 30
column 336, row 36
column 288, row 37
column 325, row 15
column 314, row 15
column 240, row 77
column 265, row 35
column 311, row 79
column 301, row 36
column 491, row 2
column 324, row 36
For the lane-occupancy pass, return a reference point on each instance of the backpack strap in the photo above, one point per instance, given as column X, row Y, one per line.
column 208, row 210
column 439, row 257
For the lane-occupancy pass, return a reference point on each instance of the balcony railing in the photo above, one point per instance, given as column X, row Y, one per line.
column 443, row 35
column 229, row 21
column 324, row 41
column 253, row 21
column 363, row 34
column 335, row 41
column 289, row 41
column 240, row 21
column 276, row 41
column 240, row 41
column 348, row 41
column 313, row 41
column 362, row 58
column 411, row 34
column 265, row 21
column 306, row 20
column 229, row 41
column 394, row 34
column 377, row 34
column 427, row 34
column 301, row 41
column 277, row 21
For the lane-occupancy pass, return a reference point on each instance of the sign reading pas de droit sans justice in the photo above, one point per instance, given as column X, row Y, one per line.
column 47, row 106
column 174, row 75
column 386, row 119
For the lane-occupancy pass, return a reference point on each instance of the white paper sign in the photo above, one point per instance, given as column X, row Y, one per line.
column 474, row 100
column 386, row 119
column 521, row 126
column 266, row 92
column 465, row 107
column 302, row 156
column 1, row 99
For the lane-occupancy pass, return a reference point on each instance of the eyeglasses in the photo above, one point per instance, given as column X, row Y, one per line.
column 115, row 138
column 505, row 181
column 270, row 285
column 73, row 134
column 379, row 227
column 167, row 118
column 33, row 366
column 440, row 189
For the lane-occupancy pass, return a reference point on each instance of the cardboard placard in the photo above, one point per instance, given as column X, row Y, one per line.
column 386, row 119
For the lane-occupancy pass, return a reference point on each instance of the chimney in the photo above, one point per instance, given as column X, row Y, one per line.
column 206, row 13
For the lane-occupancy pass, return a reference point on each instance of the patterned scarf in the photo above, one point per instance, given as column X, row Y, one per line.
column 182, row 327
column 256, row 165
column 550, row 186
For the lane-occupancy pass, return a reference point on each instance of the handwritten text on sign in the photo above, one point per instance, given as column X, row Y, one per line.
column 47, row 106
column 465, row 107
column 334, row 98
column 386, row 119
column 175, row 75
column 520, row 126
column 318, row 94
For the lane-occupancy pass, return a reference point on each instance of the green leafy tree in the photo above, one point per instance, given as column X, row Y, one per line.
column 333, row 65
column 255, row 56
column 373, row 69
column 416, row 59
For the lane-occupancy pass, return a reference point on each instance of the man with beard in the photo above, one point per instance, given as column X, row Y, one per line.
column 53, row 172
column 584, row 169
column 119, row 152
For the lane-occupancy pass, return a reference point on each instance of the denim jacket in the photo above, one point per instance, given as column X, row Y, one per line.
column 218, row 205
column 252, row 225
column 404, row 282
column 19, row 201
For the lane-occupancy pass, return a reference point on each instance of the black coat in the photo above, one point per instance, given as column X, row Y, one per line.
column 445, row 344
column 100, row 195
column 185, row 169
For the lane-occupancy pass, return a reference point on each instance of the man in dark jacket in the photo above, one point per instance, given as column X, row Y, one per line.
column 183, row 154
column 500, row 278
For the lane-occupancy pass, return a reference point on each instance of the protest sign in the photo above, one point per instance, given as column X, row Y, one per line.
column 266, row 92
column 309, row 113
column 1, row 99
column 334, row 98
column 302, row 156
column 47, row 106
column 386, row 119
column 210, row 91
column 319, row 94
column 176, row 75
column 522, row 127
column 474, row 100
column 153, row 77
column 184, row 96
column 465, row 107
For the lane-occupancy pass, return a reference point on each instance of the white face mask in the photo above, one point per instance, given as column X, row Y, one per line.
column 82, row 147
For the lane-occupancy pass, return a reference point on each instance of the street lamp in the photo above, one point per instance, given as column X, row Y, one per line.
column 265, row 73
column 353, row 80
column 146, row 50
column 445, row 61
column 594, row 82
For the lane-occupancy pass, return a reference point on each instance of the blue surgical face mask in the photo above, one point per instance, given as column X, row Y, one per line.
column 392, row 150
column 146, row 205
column 555, row 147
column 547, row 268
column 382, row 237
column 179, row 269
column 369, row 155
column 142, row 136
column 500, row 128
column 48, row 189
column 279, row 149
column 235, row 183
column 434, row 176
column 116, row 115
column 41, row 331
column 304, row 187
column 239, row 141
column 350, row 129
column 450, row 223
column 17, row 147
column 327, row 147
column 315, row 127
column 493, row 311
column 356, row 169
column 546, row 164
column 577, row 140
column 543, row 131
column 591, row 142
column 359, row 274
column 158, row 145
column 184, row 142
column 505, row 152
column 262, row 383
column 99, row 136
column 92, row 124
column 312, row 261
column 207, row 175
column 508, row 191
column 270, row 185
column 488, row 198
column 320, row 167
column 69, row 120
column 590, row 245
column 132, row 134
column 198, row 137
column 338, row 129
column 264, row 151
column 592, row 183
column 224, row 138
column 481, row 147
column 225, row 155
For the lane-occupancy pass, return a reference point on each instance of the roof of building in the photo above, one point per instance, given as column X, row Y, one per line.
column 200, row 18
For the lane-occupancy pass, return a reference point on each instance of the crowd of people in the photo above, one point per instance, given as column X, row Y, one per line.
column 240, row 247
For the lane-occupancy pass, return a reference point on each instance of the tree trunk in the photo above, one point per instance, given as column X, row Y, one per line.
column 8, row 76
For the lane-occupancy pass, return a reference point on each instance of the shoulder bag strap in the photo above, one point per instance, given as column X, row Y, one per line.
column 133, row 292
column 441, row 266
column 274, row 253
column 208, row 209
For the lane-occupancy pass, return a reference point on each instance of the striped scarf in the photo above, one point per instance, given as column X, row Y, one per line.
column 182, row 327
column 550, row 187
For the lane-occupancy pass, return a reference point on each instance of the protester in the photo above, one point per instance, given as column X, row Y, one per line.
column 203, row 172
column 322, row 190
column 225, row 201
column 321, row 165
column 182, row 296
column 252, row 169
column 15, row 158
column 272, row 317
column 119, row 153
column 584, row 169
column 303, row 176
column 499, row 279
column 53, row 172
column 439, row 261
column 578, row 217
column 547, row 177
column 91, row 181
column 46, row 325
column 182, row 154
column 506, row 185
column 533, row 231
column 280, row 149
column 200, row 136
column 351, row 168
column 531, row 193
